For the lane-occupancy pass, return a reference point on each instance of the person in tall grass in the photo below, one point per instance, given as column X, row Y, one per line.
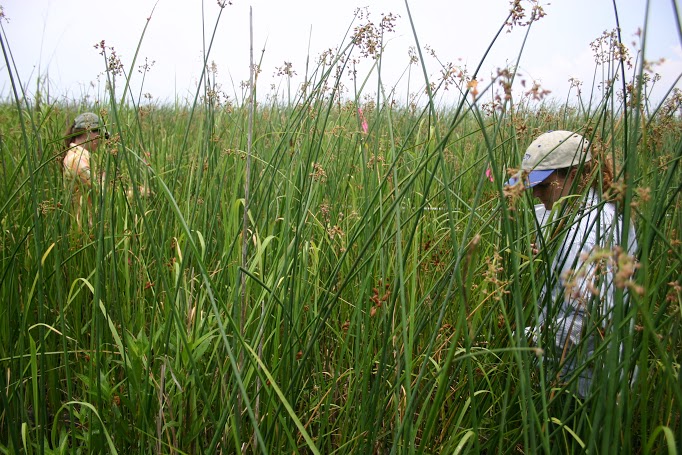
column 82, row 137
column 579, row 292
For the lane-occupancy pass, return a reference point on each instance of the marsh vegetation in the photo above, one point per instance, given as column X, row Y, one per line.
column 386, row 275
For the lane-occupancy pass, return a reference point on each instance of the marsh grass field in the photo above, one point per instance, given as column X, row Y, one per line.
column 376, row 302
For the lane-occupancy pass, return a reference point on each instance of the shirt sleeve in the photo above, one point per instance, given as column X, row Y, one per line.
column 577, row 278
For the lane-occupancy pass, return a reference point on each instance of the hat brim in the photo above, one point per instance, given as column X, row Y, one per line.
column 534, row 178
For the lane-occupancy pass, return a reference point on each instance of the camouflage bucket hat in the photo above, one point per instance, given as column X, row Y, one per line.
column 87, row 121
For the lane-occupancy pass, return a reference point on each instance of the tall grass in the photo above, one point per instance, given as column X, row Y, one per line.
column 388, row 279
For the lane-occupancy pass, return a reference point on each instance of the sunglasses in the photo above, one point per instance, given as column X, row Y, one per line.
column 98, row 131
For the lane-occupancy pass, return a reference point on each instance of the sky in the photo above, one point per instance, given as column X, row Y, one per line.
column 55, row 39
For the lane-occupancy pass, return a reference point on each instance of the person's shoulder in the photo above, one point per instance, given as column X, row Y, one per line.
column 594, row 201
column 76, row 152
column 76, row 160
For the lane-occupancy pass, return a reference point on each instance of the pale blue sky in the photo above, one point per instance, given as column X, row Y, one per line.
column 56, row 38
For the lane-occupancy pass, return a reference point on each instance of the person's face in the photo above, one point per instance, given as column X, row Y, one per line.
column 552, row 189
column 89, row 139
column 94, row 139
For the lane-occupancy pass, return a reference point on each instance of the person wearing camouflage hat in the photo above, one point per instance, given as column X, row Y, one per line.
column 87, row 130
